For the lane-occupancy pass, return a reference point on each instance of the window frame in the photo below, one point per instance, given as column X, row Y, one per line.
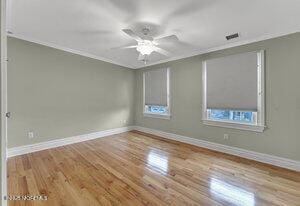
column 156, row 115
column 260, row 114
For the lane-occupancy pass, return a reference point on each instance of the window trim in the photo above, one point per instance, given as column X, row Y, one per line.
column 260, row 125
column 155, row 115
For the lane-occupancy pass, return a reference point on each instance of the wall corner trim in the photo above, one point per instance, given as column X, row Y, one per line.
column 260, row 157
column 25, row 149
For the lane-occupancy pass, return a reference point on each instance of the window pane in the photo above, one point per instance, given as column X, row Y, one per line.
column 156, row 109
column 231, row 115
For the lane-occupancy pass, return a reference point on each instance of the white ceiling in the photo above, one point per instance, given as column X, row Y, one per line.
column 92, row 27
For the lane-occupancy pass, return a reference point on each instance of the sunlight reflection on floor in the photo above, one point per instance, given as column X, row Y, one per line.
column 158, row 161
column 231, row 193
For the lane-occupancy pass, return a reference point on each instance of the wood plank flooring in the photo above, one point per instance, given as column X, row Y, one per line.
column 139, row 169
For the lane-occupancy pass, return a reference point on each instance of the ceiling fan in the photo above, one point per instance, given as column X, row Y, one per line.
column 147, row 44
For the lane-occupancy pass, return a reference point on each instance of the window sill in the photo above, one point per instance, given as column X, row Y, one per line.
column 159, row 116
column 233, row 125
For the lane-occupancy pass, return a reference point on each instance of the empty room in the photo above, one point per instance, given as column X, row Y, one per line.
column 150, row 102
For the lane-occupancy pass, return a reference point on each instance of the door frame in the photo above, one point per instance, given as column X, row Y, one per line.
column 3, row 104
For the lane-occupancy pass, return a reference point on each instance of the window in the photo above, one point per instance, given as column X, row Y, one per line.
column 231, row 115
column 233, row 91
column 156, row 93
column 155, row 109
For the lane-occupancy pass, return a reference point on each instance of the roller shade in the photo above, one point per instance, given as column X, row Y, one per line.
column 231, row 82
column 156, row 87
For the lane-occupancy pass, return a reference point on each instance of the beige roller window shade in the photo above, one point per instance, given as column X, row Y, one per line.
column 156, row 87
column 231, row 82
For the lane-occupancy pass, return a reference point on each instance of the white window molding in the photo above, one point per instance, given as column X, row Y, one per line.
column 234, row 125
column 157, row 115
column 259, row 116
column 154, row 115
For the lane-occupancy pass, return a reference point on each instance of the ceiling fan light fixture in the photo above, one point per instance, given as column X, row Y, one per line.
column 145, row 47
column 146, row 44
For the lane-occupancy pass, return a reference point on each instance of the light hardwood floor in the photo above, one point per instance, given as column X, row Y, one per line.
column 138, row 169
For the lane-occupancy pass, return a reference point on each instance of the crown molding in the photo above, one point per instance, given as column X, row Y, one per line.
column 66, row 49
column 195, row 53
column 225, row 46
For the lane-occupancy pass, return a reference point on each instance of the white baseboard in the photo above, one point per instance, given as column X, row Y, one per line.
column 260, row 157
column 64, row 141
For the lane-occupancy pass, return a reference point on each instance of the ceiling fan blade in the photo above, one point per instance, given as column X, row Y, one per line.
column 166, row 39
column 124, row 47
column 162, row 51
column 130, row 33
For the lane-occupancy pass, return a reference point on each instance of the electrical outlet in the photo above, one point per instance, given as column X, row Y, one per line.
column 124, row 121
column 30, row 135
column 226, row 136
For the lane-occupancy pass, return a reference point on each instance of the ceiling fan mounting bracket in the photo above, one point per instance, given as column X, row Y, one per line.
column 146, row 31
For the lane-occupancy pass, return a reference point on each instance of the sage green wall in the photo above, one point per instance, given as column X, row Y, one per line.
column 281, row 138
column 57, row 94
